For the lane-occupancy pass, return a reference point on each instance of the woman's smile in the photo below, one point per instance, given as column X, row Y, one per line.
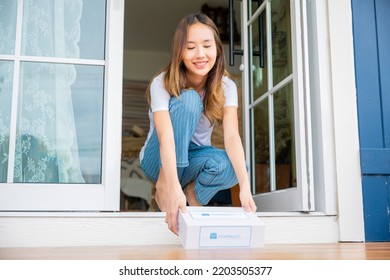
column 200, row 64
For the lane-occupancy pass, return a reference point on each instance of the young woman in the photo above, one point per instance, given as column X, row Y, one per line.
column 190, row 95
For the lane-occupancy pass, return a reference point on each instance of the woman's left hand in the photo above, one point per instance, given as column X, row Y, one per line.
column 247, row 201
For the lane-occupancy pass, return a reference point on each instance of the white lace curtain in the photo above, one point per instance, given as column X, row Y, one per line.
column 46, row 143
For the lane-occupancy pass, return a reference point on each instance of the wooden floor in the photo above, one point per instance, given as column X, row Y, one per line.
column 338, row 251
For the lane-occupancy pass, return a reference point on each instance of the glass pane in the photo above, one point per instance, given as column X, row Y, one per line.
column 59, row 126
column 87, row 96
column 8, row 11
column 259, row 57
column 67, row 28
column 6, row 81
column 284, row 138
column 261, row 145
column 281, row 40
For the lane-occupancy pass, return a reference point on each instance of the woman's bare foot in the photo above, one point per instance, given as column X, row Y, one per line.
column 189, row 192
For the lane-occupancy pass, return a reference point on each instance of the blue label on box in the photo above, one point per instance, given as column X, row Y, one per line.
column 225, row 236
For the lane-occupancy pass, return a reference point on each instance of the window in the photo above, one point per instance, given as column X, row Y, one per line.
column 54, row 80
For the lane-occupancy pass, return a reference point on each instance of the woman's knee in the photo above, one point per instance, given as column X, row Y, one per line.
column 190, row 95
column 189, row 102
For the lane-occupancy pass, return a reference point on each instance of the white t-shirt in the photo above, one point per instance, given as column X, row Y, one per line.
column 160, row 101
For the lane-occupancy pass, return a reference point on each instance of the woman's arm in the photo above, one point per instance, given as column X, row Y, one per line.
column 170, row 191
column 235, row 152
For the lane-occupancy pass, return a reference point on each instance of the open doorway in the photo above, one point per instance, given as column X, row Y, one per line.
column 147, row 45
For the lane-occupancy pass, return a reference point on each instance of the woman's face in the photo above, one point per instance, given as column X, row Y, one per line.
column 200, row 52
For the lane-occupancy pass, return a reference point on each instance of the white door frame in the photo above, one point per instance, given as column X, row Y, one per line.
column 300, row 198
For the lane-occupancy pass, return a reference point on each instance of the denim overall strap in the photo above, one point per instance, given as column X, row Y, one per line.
column 185, row 112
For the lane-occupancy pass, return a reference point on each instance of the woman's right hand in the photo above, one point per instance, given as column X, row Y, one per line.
column 176, row 201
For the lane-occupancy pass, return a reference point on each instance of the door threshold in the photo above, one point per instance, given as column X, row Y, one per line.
column 57, row 229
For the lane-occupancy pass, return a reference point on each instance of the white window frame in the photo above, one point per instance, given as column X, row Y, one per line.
column 77, row 197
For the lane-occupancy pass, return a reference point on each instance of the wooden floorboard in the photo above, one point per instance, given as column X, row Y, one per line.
column 336, row 251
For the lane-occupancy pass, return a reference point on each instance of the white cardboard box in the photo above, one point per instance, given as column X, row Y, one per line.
column 220, row 227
